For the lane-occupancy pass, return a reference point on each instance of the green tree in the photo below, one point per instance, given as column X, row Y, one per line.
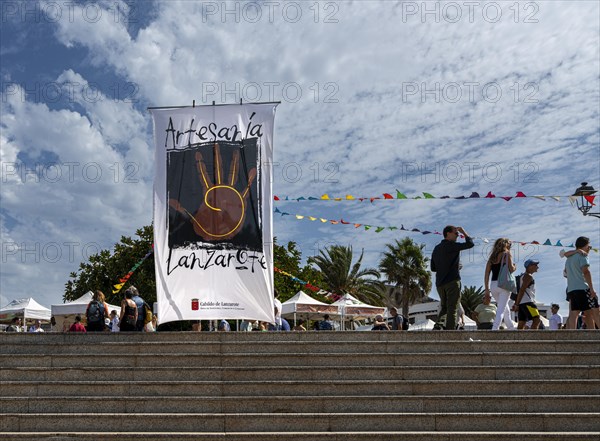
column 470, row 297
column 288, row 258
column 405, row 268
column 341, row 276
column 103, row 270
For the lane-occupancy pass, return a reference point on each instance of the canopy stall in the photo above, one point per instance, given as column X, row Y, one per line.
column 304, row 305
column 426, row 325
column 351, row 307
column 27, row 308
column 65, row 313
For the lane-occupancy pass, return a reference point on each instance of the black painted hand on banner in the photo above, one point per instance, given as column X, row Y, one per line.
column 223, row 209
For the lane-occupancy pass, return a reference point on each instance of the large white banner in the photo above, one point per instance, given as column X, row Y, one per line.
column 213, row 220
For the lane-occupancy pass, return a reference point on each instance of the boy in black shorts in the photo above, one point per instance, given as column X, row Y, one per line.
column 525, row 303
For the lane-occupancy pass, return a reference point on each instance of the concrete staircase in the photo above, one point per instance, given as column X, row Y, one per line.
column 350, row 386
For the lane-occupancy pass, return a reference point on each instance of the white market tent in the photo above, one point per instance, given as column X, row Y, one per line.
column 27, row 308
column 304, row 305
column 65, row 313
column 351, row 307
column 426, row 325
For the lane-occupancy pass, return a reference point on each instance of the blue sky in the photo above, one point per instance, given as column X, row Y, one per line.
column 443, row 98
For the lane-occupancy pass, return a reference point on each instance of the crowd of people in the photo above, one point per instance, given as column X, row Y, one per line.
column 499, row 280
column 136, row 315
column 503, row 286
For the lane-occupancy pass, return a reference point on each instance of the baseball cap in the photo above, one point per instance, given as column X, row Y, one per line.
column 531, row 262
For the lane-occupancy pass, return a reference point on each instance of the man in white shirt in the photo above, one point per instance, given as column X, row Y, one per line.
column 555, row 319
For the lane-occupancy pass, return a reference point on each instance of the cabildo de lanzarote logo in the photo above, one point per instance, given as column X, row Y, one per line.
column 197, row 305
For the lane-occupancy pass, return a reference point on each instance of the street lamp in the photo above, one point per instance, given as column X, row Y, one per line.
column 584, row 201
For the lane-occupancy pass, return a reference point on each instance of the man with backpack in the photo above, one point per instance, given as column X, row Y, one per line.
column 397, row 320
column 96, row 313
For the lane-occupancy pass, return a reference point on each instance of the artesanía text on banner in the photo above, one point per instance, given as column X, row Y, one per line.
column 210, row 132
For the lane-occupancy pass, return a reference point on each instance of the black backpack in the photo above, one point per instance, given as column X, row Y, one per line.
column 95, row 312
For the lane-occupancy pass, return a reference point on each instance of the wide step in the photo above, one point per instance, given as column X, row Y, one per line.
column 307, row 404
column 321, row 422
column 301, row 436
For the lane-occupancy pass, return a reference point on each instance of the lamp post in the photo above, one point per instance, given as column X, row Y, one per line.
column 584, row 204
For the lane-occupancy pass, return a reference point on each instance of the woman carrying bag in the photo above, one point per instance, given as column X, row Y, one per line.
column 501, row 266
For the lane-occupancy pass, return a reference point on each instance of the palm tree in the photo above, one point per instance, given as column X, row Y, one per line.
column 341, row 276
column 405, row 267
column 470, row 297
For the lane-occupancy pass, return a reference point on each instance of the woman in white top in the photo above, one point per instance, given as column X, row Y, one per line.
column 500, row 252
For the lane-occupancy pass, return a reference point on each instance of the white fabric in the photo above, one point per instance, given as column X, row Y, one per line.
column 213, row 235
column 502, row 298
column 469, row 323
column 115, row 324
column 555, row 322
column 277, row 304
column 28, row 308
column 426, row 325
column 351, row 306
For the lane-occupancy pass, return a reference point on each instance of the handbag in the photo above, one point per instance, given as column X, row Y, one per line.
column 506, row 279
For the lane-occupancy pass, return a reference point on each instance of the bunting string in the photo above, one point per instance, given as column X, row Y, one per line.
column 402, row 196
column 379, row 229
column 125, row 278
column 309, row 286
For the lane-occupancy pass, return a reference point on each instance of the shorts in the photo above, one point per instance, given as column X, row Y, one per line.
column 594, row 302
column 580, row 299
column 527, row 311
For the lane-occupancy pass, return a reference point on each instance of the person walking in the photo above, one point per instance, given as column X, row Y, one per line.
column 129, row 313
column 139, row 302
column 445, row 263
column 525, row 302
column 500, row 256
column 580, row 288
column 555, row 319
column 15, row 325
column 77, row 326
column 397, row 320
column 380, row 324
column 485, row 313
column 114, row 321
column 326, row 324
column 37, row 327
column 96, row 312
column 300, row 326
